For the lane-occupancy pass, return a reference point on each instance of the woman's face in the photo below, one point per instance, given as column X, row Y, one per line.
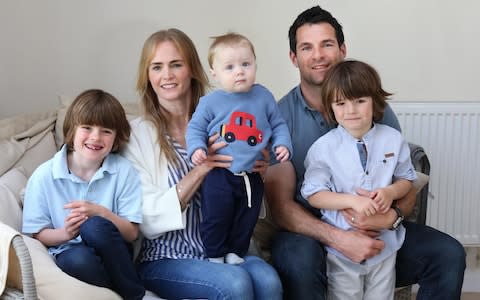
column 169, row 74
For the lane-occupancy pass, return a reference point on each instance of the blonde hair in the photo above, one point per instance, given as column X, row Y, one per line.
column 98, row 108
column 228, row 39
column 152, row 109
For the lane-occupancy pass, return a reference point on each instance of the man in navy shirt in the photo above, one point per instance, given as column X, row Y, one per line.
column 433, row 259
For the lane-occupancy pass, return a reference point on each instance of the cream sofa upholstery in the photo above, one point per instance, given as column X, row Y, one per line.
column 25, row 142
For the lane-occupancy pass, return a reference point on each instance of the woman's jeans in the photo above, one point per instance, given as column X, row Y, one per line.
column 201, row 279
column 431, row 258
column 102, row 259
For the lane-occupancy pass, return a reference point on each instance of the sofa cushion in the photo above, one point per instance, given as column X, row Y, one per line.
column 20, row 123
column 12, row 184
column 37, row 154
column 132, row 110
column 53, row 283
column 422, row 180
column 27, row 146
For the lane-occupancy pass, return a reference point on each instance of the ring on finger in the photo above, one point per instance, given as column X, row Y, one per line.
column 353, row 219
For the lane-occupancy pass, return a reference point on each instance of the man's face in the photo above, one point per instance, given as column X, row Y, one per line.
column 317, row 51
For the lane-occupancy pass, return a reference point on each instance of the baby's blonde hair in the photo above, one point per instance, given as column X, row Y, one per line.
column 228, row 39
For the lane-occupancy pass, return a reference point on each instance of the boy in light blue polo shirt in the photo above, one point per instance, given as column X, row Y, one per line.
column 84, row 204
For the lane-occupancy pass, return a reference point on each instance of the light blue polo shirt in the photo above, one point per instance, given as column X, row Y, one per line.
column 333, row 164
column 115, row 185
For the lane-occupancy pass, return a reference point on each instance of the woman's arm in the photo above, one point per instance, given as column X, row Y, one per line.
column 163, row 204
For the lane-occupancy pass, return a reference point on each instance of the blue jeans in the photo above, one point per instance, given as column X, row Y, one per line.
column 102, row 259
column 431, row 258
column 201, row 279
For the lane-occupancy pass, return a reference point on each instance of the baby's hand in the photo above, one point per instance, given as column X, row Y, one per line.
column 282, row 153
column 199, row 156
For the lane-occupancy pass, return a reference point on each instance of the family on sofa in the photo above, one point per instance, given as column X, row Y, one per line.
column 170, row 257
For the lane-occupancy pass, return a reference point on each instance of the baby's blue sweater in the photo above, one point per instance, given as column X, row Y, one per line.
column 247, row 121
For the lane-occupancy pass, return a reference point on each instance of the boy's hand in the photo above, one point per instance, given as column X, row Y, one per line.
column 383, row 198
column 72, row 225
column 282, row 153
column 365, row 205
column 86, row 208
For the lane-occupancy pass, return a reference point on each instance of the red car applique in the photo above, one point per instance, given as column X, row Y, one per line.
column 242, row 126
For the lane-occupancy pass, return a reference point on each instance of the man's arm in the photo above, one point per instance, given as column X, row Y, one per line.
column 290, row 215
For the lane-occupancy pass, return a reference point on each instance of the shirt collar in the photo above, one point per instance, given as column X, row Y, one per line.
column 366, row 138
column 60, row 166
column 298, row 92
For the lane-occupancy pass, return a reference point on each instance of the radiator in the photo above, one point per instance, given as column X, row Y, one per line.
column 450, row 135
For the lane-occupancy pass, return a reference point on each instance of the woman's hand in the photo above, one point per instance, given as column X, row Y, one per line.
column 261, row 166
column 215, row 160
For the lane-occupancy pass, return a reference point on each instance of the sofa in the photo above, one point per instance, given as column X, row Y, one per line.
column 27, row 271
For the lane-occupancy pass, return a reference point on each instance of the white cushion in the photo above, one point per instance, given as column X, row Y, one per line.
column 53, row 283
column 12, row 184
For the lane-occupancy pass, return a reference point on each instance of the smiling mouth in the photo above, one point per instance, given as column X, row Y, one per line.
column 168, row 85
column 93, row 147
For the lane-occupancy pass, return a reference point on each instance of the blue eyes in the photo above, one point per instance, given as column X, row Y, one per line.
column 243, row 65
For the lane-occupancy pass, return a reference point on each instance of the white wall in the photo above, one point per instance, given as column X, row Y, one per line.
column 424, row 50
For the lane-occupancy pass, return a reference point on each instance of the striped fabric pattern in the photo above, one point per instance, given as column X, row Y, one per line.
column 178, row 244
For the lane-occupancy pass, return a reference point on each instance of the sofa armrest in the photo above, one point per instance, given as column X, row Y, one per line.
column 421, row 164
column 17, row 270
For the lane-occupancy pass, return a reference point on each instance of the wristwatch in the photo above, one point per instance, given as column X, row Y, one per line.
column 399, row 219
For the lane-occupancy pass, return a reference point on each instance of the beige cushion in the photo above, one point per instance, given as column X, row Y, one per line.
column 20, row 123
column 12, row 184
column 28, row 146
column 422, row 180
column 39, row 153
column 132, row 109
column 53, row 283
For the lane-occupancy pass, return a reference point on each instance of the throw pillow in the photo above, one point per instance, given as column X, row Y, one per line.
column 11, row 185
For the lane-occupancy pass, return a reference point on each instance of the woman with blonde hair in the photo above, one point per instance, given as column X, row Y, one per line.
column 172, row 262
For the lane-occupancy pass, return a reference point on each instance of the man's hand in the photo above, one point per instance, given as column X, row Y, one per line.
column 356, row 245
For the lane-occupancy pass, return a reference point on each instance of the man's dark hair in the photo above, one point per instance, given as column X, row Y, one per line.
column 314, row 15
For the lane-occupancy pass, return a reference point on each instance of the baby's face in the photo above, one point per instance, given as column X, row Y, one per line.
column 234, row 68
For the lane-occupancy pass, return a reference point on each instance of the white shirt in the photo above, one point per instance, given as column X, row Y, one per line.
column 333, row 164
